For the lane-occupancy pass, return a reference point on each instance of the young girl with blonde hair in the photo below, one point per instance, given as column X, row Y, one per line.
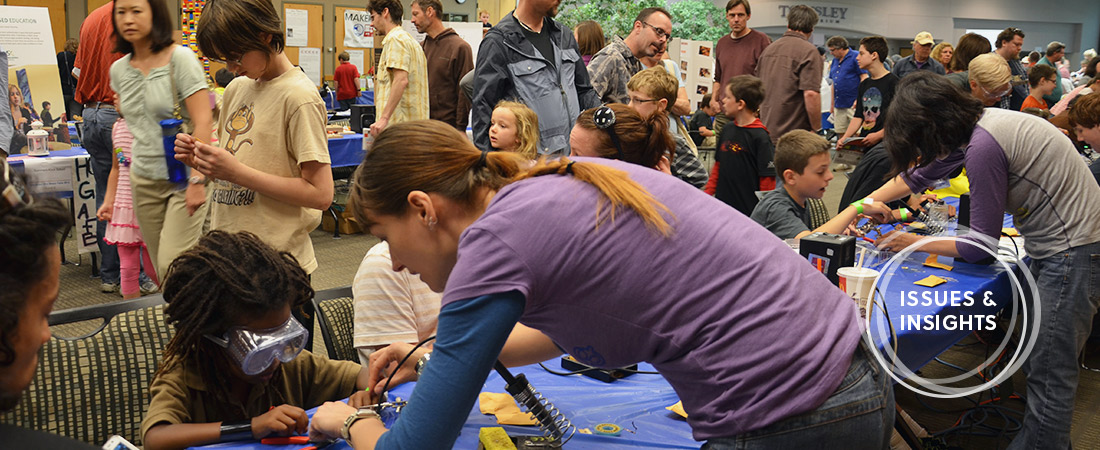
column 515, row 128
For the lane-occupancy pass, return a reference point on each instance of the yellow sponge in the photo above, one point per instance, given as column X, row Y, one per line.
column 495, row 438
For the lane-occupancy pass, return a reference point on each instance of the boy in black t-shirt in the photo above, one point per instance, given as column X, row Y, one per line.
column 701, row 125
column 743, row 158
column 875, row 93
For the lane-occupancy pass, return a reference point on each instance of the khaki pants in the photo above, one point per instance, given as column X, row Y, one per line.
column 841, row 118
column 162, row 215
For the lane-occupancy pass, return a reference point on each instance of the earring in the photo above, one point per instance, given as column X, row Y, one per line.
column 431, row 223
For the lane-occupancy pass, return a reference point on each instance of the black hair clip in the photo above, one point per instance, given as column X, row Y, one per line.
column 14, row 194
column 604, row 119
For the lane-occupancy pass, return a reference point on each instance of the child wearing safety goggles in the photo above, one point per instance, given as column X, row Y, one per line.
column 235, row 369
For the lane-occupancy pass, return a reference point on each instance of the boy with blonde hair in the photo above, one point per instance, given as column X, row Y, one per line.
column 651, row 91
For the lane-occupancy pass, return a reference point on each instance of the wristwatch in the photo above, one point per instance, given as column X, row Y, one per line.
column 423, row 361
column 362, row 413
column 195, row 179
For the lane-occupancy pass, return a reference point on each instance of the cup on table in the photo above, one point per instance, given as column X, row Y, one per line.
column 857, row 283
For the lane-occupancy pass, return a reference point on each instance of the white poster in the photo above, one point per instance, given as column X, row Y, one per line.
column 309, row 59
column 48, row 176
column 408, row 26
column 357, row 30
column 470, row 32
column 357, row 59
column 26, row 36
column 297, row 28
column 83, row 182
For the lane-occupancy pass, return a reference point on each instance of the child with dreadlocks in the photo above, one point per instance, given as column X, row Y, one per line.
column 235, row 369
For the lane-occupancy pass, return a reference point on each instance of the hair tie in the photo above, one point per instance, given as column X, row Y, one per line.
column 569, row 168
column 481, row 162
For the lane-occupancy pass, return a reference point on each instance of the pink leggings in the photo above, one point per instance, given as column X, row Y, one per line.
column 130, row 259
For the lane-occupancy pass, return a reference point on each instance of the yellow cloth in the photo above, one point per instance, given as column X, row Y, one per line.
column 678, row 408
column 401, row 51
column 959, row 185
column 272, row 126
column 930, row 281
column 933, row 261
column 505, row 408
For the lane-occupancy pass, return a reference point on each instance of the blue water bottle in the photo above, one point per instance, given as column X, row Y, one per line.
column 177, row 171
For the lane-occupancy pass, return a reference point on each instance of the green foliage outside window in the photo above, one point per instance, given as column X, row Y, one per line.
column 691, row 19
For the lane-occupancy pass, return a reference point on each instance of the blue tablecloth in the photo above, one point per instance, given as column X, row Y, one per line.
column 17, row 160
column 916, row 348
column 365, row 98
column 346, row 151
column 635, row 403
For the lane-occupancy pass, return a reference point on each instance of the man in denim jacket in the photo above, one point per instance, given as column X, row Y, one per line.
column 531, row 58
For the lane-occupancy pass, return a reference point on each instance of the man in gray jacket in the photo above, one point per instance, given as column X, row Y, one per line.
column 531, row 58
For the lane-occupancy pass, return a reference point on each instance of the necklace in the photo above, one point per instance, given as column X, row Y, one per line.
column 525, row 27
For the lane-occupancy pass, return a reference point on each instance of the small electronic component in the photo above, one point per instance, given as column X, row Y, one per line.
column 608, row 429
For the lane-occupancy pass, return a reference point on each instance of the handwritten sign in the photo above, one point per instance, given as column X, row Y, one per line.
column 84, row 205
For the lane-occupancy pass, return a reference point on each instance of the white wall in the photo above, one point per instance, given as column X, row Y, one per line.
column 1073, row 22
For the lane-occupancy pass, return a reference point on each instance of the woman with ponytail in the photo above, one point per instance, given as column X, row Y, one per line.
column 763, row 352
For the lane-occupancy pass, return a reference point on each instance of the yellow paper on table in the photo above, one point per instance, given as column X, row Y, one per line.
column 930, row 281
column 505, row 408
column 678, row 408
column 1010, row 232
column 933, row 261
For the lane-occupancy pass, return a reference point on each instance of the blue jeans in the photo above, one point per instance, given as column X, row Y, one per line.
column 1069, row 293
column 98, row 123
column 859, row 415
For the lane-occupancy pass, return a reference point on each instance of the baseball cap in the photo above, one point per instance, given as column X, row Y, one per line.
column 923, row 38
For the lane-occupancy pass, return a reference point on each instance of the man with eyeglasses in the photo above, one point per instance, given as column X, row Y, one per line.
column 735, row 54
column 1009, row 43
column 530, row 57
column 612, row 67
column 792, row 100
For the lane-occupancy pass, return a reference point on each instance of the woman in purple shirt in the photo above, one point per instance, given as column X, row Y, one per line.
column 589, row 254
column 1019, row 164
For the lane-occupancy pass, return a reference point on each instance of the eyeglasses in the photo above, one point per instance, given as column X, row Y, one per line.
column 661, row 34
column 643, row 100
column 604, row 119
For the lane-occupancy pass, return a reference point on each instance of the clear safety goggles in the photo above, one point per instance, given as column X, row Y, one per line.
column 255, row 351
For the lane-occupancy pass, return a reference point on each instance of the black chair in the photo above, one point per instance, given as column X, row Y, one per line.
column 93, row 386
column 335, row 309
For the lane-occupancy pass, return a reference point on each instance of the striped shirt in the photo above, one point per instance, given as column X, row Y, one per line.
column 391, row 306
column 401, row 51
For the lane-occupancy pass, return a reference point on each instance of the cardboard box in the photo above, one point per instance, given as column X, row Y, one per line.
column 347, row 223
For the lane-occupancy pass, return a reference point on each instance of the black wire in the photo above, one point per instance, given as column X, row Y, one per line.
column 577, row 372
column 382, row 393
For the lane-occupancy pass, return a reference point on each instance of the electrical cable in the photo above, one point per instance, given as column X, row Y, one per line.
column 382, row 393
column 578, row 372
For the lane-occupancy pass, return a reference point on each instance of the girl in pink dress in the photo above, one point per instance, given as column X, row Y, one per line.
column 118, row 208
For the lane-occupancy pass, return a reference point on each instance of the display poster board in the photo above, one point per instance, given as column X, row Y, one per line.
column 697, row 69
column 27, row 37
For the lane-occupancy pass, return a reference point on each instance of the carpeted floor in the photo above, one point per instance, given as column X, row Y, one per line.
column 339, row 258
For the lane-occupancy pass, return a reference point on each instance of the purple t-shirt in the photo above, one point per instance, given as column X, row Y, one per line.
column 744, row 329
